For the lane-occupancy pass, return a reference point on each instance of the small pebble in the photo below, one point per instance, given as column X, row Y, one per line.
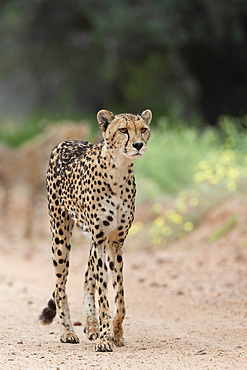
column 77, row 323
column 201, row 352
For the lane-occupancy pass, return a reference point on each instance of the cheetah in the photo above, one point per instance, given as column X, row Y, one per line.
column 93, row 187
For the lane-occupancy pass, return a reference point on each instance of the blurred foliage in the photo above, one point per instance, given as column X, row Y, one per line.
column 16, row 132
column 173, row 151
column 185, row 172
column 180, row 58
column 179, row 156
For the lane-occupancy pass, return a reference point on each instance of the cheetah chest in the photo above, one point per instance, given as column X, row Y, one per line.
column 111, row 212
column 101, row 205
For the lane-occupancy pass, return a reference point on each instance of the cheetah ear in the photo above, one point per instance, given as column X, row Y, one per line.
column 147, row 116
column 104, row 117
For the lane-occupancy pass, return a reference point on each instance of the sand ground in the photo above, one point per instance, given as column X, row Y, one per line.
column 186, row 303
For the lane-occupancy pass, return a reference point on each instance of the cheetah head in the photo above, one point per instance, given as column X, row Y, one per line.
column 125, row 134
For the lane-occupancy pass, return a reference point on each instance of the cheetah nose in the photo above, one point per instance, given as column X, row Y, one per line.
column 138, row 145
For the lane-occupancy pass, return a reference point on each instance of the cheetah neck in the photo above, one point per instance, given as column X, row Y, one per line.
column 120, row 170
column 116, row 160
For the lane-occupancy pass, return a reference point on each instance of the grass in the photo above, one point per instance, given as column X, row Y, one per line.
column 223, row 230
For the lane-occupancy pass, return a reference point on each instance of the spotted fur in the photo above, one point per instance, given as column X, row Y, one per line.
column 93, row 186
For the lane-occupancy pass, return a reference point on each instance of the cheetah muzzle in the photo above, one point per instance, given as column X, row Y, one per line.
column 93, row 187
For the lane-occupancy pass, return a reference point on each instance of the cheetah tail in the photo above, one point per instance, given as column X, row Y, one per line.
column 48, row 313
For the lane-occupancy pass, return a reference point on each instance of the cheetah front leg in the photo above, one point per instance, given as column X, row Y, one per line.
column 100, row 271
column 90, row 321
column 61, row 231
column 116, row 267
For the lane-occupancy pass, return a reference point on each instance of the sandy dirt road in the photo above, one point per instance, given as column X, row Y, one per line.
column 186, row 303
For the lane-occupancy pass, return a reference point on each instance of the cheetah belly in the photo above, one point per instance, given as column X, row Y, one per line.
column 115, row 219
column 76, row 213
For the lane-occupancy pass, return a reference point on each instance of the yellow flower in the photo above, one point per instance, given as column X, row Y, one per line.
column 233, row 173
column 184, row 195
column 177, row 219
column 159, row 222
column 215, row 179
column 208, row 174
column 166, row 230
column 135, row 228
column 194, row 202
column 199, row 177
column 220, row 170
column 227, row 156
column 169, row 214
column 188, row 226
column 157, row 207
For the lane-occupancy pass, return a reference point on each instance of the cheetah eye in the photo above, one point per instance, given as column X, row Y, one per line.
column 123, row 130
column 143, row 130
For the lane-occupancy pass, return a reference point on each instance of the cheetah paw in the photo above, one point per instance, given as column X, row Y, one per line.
column 91, row 329
column 118, row 338
column 69, row 338
column 103, row 347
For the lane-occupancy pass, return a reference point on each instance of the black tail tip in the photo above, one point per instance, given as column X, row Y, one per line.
column 48, row 313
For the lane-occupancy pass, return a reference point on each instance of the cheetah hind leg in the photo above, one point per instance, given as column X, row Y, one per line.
column 91, row 328
column 47, row 317
column 90, row 321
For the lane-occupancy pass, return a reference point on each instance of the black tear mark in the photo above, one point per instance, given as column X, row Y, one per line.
column 126, row 142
